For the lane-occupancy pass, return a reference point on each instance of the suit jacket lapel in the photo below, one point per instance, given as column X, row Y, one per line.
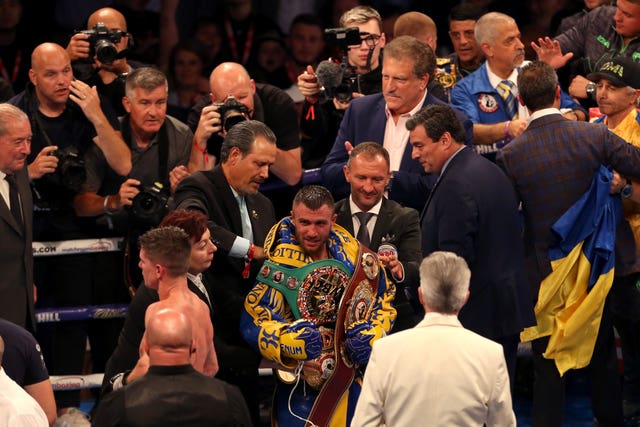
column 5, row 213
column 229, row 202
column 383, row 223
column 452, row 164
column 344, row 216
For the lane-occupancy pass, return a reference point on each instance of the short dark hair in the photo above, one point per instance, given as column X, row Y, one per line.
column 465, row 12
column 243, row 135
column 436, row 120
column 409, row 47
column 307, row 19
column 537, row 83
column 169, row 247
column 369, row 150
column 147, row 78
column 314, row 197
column 194, row 223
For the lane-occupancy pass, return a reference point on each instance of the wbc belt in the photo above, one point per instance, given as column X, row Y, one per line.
column 323, row 292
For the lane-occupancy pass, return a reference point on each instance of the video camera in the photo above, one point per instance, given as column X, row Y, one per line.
column 103, row 42
column 340, row 80
column 150, row 205
column 231, row 112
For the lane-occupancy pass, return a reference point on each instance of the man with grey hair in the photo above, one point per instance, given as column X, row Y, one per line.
column 406, row 67
column 16, row 261
column 468, row 371
column 488, row 95
column 241, row 218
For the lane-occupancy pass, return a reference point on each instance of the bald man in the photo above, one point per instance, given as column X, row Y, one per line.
column 265, row 103
column 68, row 118
column 108, row 78
column 172, row 393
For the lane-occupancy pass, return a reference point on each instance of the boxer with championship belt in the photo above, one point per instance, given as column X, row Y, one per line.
column 320, row 301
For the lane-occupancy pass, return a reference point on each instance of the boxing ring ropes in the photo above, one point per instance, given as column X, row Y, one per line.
column 108, row 311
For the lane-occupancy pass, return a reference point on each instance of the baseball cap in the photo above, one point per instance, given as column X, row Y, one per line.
column 621, row 71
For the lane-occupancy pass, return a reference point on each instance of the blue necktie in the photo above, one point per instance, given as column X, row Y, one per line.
column 247, row 233
column 505, row 89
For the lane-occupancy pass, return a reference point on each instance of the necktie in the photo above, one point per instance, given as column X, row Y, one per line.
column 505, row 89
column 363, row 231
column 13, row 199
column 247, row 233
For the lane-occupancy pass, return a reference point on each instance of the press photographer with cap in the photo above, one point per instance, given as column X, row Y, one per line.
column 617, row 93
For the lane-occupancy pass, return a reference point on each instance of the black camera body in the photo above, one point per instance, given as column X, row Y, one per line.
column 103, row 42
column 150, row 205
column 343, row 38
column 71, row 168
column 231, row 112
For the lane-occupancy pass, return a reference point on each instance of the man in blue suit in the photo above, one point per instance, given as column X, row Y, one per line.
column 472, row 211
column 381, row 118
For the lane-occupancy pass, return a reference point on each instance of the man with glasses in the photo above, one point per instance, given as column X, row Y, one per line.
column 321, row 117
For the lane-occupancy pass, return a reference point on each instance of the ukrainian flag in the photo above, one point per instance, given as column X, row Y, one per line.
column 571, row 298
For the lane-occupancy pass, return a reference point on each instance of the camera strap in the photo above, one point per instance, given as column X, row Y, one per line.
column 163, row 148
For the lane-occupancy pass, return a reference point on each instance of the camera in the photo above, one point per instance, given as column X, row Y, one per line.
column 71, row 169
column 347, row 79
column 231, row 112
column 103, row 42
column 151, row 204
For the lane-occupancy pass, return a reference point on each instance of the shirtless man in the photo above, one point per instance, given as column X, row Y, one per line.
column 164, row 261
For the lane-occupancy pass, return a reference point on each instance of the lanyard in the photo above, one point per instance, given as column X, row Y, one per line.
column 234, row 44
column 16, row 68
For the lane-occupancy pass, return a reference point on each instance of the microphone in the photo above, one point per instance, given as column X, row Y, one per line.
column 329, row 74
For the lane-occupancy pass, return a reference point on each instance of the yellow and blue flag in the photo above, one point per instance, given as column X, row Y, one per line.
column 571, row 298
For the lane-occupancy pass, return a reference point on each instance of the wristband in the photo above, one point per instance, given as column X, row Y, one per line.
column 205, row 154
column 248, row 259
column 507, row 134
column 105, row 206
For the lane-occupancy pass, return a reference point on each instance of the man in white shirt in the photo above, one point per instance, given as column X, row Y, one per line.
column 437, row 373
column 17, row 407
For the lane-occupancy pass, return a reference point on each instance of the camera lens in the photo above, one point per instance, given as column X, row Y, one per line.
column 106, row 51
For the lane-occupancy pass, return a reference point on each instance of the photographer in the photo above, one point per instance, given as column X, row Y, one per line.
column 161, row 153
column 230, row 82
column 321, row 117
column 99, row 53
column 67, row 119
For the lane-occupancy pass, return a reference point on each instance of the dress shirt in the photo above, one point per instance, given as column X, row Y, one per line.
column 17, row 407
column 396, row 135
column 375, row 210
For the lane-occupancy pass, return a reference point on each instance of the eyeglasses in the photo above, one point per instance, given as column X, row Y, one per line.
column 370, row 39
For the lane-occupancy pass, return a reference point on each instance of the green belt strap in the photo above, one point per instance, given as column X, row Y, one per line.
column 299, row 273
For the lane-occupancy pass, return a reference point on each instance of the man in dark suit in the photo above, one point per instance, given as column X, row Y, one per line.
column 552, row 165
column 241, row 218
column 172, row 393
column 473, row 212
column 16, row 256
column 391, row 230
column 406, row 67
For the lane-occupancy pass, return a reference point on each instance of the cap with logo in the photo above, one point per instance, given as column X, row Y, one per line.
column 620, row 71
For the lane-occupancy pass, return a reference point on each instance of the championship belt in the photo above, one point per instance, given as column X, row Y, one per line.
column 357, row 302
column 313, row 292
column 445, row 72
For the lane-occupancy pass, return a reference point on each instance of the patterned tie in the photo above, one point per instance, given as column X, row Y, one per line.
column 505, row 89
column 363, row 231
column 13, row 199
